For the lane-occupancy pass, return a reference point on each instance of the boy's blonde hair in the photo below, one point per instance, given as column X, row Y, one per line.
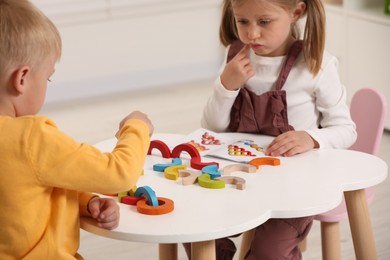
column 314, row 35
column 26, row 35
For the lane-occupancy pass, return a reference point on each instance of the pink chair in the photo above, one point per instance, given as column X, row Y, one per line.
column 368, row 111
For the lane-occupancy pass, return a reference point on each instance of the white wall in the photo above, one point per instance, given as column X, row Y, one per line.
column 117, row 45
column 358, row 33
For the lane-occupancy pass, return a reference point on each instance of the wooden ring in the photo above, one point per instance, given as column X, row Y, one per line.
column 164, row 206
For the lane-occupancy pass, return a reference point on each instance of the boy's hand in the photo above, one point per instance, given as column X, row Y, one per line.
column 238, row 70
column 137, row 115
column 105, row 211
column 291, row 143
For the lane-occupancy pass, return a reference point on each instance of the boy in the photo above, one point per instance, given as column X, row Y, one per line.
column 45, row 176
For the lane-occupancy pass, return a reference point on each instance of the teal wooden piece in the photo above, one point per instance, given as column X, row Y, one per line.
column 146, row 191
column 212, row 170
column 160, row 167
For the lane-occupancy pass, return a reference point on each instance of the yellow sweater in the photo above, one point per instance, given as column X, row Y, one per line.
column 46, row 179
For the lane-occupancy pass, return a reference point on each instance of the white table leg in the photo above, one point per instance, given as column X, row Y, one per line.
column 360, row 224
column 203, row 250
column 168, row 251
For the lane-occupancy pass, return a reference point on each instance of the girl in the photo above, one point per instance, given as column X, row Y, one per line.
column 275, row 84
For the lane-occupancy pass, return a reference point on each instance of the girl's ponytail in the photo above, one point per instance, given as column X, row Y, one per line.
column 314, row 36
column 227, row 30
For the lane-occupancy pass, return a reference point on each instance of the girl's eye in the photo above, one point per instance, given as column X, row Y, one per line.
column 242, row 21
column 264, row 22
column 48, row 80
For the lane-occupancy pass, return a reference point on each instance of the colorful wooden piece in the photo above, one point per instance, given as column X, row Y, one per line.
column 160, row 167
column 238, row 167
column 130, row 200
column 193, row 152
column 205, row 181
column 161, row 146
column 189, row 176
column 132, row 191
column 172, row 172
column 264, row 161
column 122, row 194
column 239, row 182
column 190, row 149
column 164, row 206
column 199, row 165
column 146, row 191
column 212, row 170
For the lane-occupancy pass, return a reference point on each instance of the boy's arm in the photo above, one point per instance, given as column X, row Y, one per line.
column 84, row 199
column 61, row 162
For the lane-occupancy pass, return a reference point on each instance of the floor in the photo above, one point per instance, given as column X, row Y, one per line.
column 177, row 109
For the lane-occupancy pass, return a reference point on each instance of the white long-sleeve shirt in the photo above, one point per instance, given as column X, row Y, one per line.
column 311, row 101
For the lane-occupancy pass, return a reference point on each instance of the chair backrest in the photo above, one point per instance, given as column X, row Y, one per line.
column 368, row 111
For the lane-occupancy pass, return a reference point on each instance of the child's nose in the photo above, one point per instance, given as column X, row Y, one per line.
column 253, row 32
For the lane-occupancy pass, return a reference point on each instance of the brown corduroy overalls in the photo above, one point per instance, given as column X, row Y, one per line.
column 266, row 113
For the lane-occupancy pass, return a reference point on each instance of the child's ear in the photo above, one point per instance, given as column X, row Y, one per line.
column 299, row 11
column 20, row 79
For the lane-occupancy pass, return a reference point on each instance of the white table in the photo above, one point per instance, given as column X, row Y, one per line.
column 303, row 185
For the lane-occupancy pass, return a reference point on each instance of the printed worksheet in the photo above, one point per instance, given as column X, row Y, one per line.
column 224, row 145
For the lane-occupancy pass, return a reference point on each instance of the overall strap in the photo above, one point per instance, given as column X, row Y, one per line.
column 292, row 55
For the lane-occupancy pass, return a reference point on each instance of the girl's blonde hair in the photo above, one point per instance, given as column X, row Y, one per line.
column 314, row 34
column 27, row 36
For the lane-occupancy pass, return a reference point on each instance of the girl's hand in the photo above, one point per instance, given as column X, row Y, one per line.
column 105, row 211
column 238, row 70
column 291, row 143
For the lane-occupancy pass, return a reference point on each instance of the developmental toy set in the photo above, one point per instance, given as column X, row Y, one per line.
column 206, row 174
